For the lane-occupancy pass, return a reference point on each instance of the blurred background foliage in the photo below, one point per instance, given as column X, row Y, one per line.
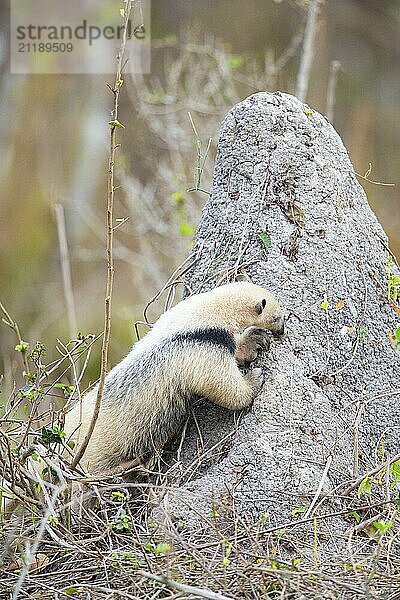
column 206, row 56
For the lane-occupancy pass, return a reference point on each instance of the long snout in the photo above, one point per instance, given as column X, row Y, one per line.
column 279, row 327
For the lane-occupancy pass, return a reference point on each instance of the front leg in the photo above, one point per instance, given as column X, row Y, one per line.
column 216, row 376
column 250, row 343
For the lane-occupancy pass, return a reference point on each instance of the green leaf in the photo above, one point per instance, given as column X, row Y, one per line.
column 116, row 123
column 325, row 305
column 296, row 561
column 397, row 334
column 382, row 526
column 265, row 238
column 276, row 565
column 186, row 229
column 298, row 511
column 71, row 591
column 178, row 197
column 122, row 524
column 395, row 471
column 264, row 518
column 22, row 346
column 365, row 486
column 67, row 389
column 27, row 391
column 362, row 332
column 356, row 515
column 119, row 495
column 308, row 111
column 52, row 435
column 281, row 532
column 53, row 519
column 162, row 548
column 235, row 61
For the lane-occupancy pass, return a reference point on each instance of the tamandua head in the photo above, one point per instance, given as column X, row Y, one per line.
column 265, row 312
column 270, row 315
column 252, row 305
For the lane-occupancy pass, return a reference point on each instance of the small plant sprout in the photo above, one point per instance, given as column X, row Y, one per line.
column 383, row 526
column 356, row 515
column 22, row 346
column 52, row 435
column 119, row 495
column 160, row 549
column 122, row 521
column 395, row 473
column 362, row 332
column 235, row 61
column 393, row 283
column 227, row 549
column 265, row 238
column 298, row 511
column 186, row 229
column 116, row 123
column 365, row 487
column 325, row 304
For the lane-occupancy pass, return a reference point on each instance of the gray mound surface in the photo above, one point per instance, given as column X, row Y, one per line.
column 287, row 211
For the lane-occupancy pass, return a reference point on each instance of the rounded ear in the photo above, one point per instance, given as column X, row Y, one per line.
column 260, row 306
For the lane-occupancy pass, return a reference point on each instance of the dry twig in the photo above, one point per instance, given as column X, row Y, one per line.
column 14, row 326
column 114, row 124
column 303, row 77
column 66, row 270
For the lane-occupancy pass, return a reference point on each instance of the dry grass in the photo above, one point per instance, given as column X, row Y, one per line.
column 128, row 546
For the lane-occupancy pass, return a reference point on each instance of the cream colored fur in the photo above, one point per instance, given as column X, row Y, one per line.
column 146, row 394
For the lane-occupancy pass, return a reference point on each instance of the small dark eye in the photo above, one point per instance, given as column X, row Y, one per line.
column 260, row 306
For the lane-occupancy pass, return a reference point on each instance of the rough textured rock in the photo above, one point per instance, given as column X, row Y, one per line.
column 332, row 386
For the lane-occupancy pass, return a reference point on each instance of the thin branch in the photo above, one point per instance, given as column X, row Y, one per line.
column 321, row 485
column 330, row 95
column 303, row 76
column 30, row 551
column 66, row 270
column 14, row 326
column 371, row 473
column 188, row 589
column 366, row 178
column 114, row 123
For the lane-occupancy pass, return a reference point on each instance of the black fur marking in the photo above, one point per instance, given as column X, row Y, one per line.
column 214, row 336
